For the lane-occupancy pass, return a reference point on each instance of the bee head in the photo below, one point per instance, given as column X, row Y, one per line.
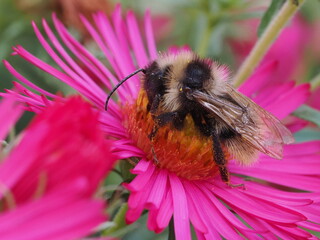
column 197, row 73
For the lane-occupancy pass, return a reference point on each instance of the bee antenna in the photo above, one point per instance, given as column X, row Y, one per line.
column 120, row 83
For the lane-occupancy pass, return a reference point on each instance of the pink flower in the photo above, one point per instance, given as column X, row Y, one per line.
column 287, row 53
column 280, row 199
column 288, row 49
column 48, row 179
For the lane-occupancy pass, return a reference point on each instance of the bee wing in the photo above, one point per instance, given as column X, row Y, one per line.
column 257, row 127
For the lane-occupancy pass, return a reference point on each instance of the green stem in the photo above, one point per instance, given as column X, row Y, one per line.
column 12, row 135
column 315, row 82
column 172, row 235
column 288, row 9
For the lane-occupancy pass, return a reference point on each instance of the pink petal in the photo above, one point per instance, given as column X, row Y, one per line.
column 9, row 115
column 158, row 191
column 25, row 81
column 292, row 99
column 259, row 209
column 61, row 214
column 150, row 37
column 136, row 40
column 180, row 209
column 140, row 181
column 259, row 78
column 308, row 183
column 195, row 214
column 165, row 210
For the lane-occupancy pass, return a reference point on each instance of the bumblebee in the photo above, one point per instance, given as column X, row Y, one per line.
column 178, row 85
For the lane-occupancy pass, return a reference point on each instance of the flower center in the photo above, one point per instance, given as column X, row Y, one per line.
column 186, row 153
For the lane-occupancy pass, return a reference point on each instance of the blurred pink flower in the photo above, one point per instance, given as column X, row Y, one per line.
column 281, row 198
column 288, row 52
column 49, row 177
column 288, row 49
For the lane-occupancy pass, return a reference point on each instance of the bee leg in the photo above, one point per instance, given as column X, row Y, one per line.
column 151, row 137
column 153, row 132
column 155, row 159
column 155, row 104
column 220, row 160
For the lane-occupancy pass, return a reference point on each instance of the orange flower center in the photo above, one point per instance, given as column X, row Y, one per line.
column 185, row 153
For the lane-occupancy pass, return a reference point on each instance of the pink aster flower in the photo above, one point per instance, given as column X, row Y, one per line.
column 280, row 199
column 49, row 177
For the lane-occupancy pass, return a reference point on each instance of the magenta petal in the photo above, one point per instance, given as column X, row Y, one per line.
column 299, row 149
column 165, row 210
column 258, row 79
column 180, row 209
column 136, row 41
column 273, row 195
column 308, row 183
column 74, row 70
column 137, row 202
column 25, row 81
column 9, row 115
column 310, row 225
column 84, row 55
column 143, row 166
column 261, row 209
column 150, row 37
column 270, row 94
column 120, row 28
column 152, row 221
column 209, row 210
column 158, row 191
column 141, row 180
column 292, row 99
column 195, row 214
column 225, row 212
column 142, row 193
column 105, row 42
column 60, row 214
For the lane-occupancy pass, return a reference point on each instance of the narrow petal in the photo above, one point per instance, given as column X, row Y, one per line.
column 157, row 193
column 180, row 209
column 136, row 40
column 9, row 115
column 150, row 37
column 165, row 210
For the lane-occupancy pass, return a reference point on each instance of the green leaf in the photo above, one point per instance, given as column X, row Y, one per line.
column 269, row 14
column 307, row 134
column 142, row 232
column 125, row 169
column 308, row 113
column 117, row 228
